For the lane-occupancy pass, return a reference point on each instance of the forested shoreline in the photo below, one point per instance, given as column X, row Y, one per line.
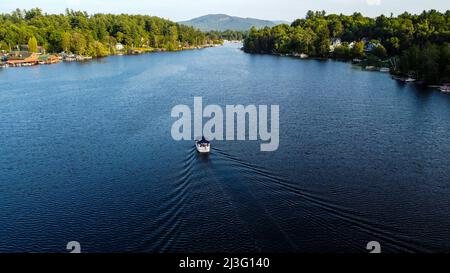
column 230, row 35
column 412, row 45
column 94, row 35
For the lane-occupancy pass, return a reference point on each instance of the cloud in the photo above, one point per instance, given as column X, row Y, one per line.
column 373, row 2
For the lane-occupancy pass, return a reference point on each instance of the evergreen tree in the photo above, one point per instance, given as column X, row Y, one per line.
column 32, row 44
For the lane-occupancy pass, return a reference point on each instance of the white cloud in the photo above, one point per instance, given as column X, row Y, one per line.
column 373, row 2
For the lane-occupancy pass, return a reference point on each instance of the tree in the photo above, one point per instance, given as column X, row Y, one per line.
column 32, row 45
column 32, row 13
column 358, row 49
column 78, row 43
column 336, row 28
column 342, row 51
column 380, row 51
column 79, row 32
column 97, row 49
column 406, row 35
column 120, row 37
column 66, row 40
column 323, row 41
column 393, row 45
column 4, row 46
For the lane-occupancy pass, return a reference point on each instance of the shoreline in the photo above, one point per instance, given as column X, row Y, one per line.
column 62, row 57
column 140, row 51
column 399, row 78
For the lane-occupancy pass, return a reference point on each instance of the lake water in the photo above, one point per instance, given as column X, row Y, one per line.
column 87, row 155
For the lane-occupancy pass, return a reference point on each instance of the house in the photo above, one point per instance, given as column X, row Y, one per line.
column 22, row 58
column 335, row 42
column 370, row 46
column 40, row 49
column 119, row 47
column 48, row 59
column 68, row 57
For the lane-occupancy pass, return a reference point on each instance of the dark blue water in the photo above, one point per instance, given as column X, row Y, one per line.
column 86, row 154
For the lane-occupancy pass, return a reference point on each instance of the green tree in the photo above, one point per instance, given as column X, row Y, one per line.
column 33, row 13
column 419, row 43
column 342, row 51
column 380, row 51
column 78, row 43
column 4, row 46
column 358, row 49
column 336, row 28
column 120, row 37
column 32, row 44
column 393, row 45
column 78, row 32
column 323, row 43
column 97, row 49
column 66, row 40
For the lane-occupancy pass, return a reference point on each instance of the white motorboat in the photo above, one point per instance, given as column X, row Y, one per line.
column 203, row 145
column 445, row 88
column 402, row 79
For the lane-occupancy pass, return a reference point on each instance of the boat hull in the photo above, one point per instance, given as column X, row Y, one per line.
column 202, row 149
column 445, row 88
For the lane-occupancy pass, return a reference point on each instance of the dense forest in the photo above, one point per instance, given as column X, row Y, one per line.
column 231, row 35
column 93, row 35
column 416, row 45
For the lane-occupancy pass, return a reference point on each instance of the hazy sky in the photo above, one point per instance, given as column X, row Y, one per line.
column 264, row 9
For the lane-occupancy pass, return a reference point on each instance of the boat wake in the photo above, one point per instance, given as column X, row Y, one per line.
column 312, row 201
column 218, row 202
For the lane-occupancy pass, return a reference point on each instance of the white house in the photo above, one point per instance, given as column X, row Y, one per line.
column 335, row 42
column 119, row 47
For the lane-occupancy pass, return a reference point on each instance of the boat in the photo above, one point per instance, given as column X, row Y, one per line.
column 445, row 88
column 304, row 56
column 402, row 79
column 384, row 69
column 203, row 145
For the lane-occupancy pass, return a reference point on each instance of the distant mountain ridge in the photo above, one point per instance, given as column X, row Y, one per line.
column 222, row 22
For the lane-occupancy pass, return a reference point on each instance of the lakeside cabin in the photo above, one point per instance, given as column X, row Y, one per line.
column 334, row 43
column 119, row 47
column 48, row 59
column 370, row 46
column 40, row 49
column 22, row 58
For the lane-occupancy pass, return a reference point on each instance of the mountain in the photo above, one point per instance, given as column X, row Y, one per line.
column 223, row 22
